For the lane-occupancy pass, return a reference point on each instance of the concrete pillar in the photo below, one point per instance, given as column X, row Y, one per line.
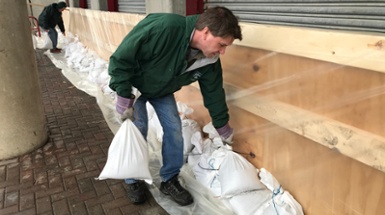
column 166, row 6
column 22, row 119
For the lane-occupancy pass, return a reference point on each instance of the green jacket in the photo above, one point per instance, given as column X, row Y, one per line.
column 50, row 17
column 152, row 58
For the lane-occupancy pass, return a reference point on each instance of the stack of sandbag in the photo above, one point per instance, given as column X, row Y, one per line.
column 228, row 175
column 232, row 178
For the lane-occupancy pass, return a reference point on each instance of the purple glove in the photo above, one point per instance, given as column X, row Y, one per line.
column 124, row 107
column 226, row 133
column 123, row 103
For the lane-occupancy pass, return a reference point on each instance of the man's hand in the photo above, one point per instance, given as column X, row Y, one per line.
column 124, row 108
column 226, row 133
column 127, row 114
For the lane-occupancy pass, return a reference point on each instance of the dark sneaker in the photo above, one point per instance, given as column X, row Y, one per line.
column 173, row 188
column 136, row 193
column 55, row 50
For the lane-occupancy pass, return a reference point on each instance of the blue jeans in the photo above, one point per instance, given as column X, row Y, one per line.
column 172, row 144
column 52, row 34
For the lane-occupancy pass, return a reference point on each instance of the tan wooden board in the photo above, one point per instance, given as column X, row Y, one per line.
column 359, row 49
column 100, row 31
column 350, row 95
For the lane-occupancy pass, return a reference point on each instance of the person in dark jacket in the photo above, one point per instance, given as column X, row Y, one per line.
column 162, row 53
column 49, row 18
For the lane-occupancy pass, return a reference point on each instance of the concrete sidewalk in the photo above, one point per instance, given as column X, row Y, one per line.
column 59, row 177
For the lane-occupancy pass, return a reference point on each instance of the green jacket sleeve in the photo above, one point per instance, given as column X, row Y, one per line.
column 214, row 97
column 124, row 62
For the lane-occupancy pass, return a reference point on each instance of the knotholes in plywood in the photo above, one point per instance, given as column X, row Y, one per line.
column 255, row 67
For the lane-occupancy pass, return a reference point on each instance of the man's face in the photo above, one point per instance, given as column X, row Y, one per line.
column 214, row 46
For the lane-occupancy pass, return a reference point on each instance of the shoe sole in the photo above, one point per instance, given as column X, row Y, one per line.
column 139, row 203
column 135, row 201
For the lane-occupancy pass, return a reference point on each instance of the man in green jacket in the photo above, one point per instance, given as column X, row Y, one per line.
column 49, row 18
column 161, row 54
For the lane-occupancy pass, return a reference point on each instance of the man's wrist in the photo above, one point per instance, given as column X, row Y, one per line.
column 123, row 103
column 225, row 131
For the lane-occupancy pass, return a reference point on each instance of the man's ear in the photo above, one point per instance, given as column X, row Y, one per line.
column 205, row 32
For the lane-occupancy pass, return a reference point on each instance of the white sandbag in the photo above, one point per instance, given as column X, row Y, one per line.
column 282, row 202
column 206, row 172
column 269, row 180
column 155, row 129
column 205, row 164
column 249, row 203
column 183, row 110
column 190, row 128
column 127, row 155
column 197, row 141
column 210, row 130
column 207, row 148
column 237, row 175
column 213, row 134
column 44, row 42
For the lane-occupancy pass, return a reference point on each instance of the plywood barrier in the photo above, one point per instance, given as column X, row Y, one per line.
column 310, row 104
column 359, row 49
column 101, row 31
column 285, row 109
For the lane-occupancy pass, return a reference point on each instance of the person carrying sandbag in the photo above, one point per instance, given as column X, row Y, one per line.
column 162, row 53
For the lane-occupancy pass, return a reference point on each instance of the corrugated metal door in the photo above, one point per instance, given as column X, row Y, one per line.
column 355, row 15
column 132, row 6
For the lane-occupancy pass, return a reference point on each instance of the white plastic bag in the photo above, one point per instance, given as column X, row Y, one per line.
column 190, row 128
column 249, row 203
column 282, row 202
column 127, row 155
column 213, row 134
column 44, row 42
column 237, row 175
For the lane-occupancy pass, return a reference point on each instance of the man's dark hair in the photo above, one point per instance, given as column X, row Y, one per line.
column 61, row 5
column 221, row 23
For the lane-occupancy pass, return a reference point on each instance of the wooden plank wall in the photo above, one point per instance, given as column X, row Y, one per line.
column 285, row 109
column 310, row 105
column 101, row 31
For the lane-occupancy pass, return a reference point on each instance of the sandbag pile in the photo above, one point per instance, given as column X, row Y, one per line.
column 230, row 177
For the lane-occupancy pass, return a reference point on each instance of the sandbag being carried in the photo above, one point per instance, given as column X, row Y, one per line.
column 127, row 155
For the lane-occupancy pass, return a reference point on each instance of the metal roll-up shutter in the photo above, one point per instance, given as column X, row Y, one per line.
column 354, row 15
column 132, row 6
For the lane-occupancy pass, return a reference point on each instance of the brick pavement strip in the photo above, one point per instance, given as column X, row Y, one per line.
column 27, row 201
column 58, row 178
